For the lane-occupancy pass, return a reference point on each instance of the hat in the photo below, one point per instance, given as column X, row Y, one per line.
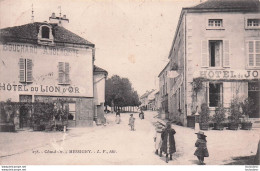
column 201, row 133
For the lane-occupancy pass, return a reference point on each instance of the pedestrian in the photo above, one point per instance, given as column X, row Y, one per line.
column 157, row 137
column 168, row 142
column 118, row 116
column 132, row 122
column 141, row 114
column 201, row 144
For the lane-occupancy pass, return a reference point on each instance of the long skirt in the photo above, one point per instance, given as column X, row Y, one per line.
column 118, row 119
column 158, row 142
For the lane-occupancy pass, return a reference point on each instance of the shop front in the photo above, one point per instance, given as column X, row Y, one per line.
column 223, row 86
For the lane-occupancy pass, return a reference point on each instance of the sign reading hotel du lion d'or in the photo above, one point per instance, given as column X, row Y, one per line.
column 228, row 74
column 41, row 89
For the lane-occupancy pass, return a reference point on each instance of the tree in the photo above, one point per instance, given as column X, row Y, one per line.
column 119, row 92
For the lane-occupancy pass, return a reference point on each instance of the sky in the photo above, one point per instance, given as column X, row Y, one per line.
column 132, row 37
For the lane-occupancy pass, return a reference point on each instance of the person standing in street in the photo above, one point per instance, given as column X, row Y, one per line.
column 132, row 122
column 118, row 116
column 202, row 150
column 168, row 141
column 157, row 137
column 141, row 114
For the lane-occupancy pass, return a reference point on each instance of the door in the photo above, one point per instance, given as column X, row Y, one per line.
column 25, row 110
column 254, row 94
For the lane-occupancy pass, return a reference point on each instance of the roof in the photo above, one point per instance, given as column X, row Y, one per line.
column 227, row 5
column 28, row 33
column 147, row 94
column 99, row 70
column 164, row 69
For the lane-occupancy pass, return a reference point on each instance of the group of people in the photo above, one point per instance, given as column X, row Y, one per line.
column 165, row 142
column 131, row 119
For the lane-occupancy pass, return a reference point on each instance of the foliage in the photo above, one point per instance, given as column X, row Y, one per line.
column 119, row 91
column 204, row 114
column 235, row 112
column 197, row 84
column 248, row 107
column 219, row 115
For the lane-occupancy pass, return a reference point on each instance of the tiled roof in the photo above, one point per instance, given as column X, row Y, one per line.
column 224, row 5
column 98, row 69
column 147, row 93
column 28, row 33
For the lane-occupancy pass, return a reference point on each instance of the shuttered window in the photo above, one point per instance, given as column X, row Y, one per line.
column 253, row 49
column 25, row 70
column 226, row 56
column 215, row 53
column 204, row 54
column 64, row 70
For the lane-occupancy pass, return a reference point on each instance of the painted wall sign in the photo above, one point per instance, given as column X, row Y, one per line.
column 33, row 49
column 39, row 88
column 177, row 84
column 228, row 74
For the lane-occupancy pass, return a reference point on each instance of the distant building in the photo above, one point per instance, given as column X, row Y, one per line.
column 145, row 98
column 216, row 42
column 164, row 90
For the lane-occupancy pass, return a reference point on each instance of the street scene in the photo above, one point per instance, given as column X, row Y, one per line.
column 121, row 145
column 90, row 82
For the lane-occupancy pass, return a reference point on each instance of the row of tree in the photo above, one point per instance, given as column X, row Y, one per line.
column 119, row 93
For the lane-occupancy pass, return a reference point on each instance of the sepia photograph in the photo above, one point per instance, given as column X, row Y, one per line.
column 130, row 82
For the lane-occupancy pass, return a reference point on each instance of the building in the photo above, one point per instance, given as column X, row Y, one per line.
column 164, row 89
column 157, row 100
column 145, row 99
column 100, row 76
column 216, row 45
column 45, row 62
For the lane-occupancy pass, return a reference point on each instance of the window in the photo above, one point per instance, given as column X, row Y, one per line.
column 45, row 32
column 72, row 111
column 25, row 70
column 253, row 50
column 215, row 23
column 45, row 35
column 215, row 53
column 215, row 94
column 64, row 70
column 253, row 23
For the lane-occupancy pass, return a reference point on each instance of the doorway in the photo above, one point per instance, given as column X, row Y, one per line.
column 254, row 94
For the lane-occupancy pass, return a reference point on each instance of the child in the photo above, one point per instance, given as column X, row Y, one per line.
column 201, row 145
column 157, row 137
column 132, row 122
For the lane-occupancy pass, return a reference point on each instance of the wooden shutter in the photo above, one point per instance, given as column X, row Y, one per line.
column 250, row 48
column 257, row 53
column 61, row 72
column 28, row 70
column 67, row 72
column 226, row 56
column 204, row 54
column 22, row 69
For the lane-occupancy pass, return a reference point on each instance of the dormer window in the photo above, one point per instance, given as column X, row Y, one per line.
column 45, row 35
column 45, row 32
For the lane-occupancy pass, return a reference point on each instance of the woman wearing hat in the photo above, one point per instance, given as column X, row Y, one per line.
column 201, row 144
column 168, row 142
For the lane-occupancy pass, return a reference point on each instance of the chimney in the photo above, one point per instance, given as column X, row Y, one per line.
column 61, row 21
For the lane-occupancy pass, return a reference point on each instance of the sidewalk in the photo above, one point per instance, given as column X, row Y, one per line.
column 27, row 139
column 223, row 146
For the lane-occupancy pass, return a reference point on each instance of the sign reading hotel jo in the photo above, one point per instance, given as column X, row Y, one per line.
column 228, row 74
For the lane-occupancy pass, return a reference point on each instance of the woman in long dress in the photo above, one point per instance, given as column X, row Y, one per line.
column 118, row 116
column 168, row 141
